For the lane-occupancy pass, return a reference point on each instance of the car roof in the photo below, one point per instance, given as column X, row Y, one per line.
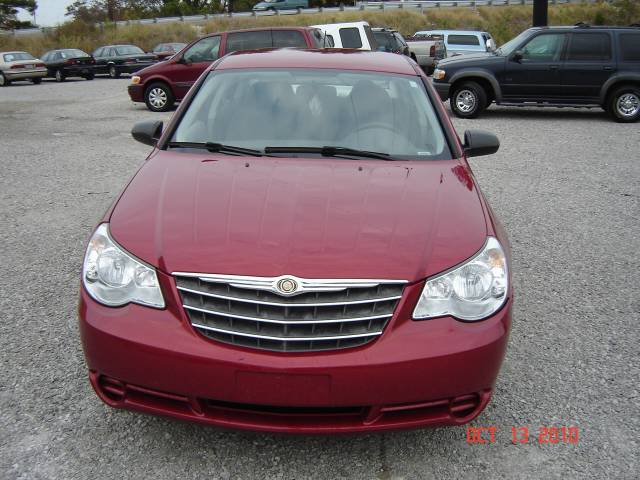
column 330, row 58
column 586, row 27
column 257, row 29
column 454, row 32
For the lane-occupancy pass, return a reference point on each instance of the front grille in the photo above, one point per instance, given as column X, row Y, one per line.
column 328, row 314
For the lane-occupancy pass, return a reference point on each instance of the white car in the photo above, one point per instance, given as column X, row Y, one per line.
column 20, row 66
column 356, row 35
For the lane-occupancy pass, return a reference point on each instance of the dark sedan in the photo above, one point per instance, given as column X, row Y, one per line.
column 118, row 59
column 162, row 51
column 68, row 62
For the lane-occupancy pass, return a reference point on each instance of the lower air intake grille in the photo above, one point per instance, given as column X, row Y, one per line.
column 317, row 315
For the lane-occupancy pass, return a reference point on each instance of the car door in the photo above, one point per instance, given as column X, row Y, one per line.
column 532, row 72
column 101, row 61
column 588, row 65
column 195, row 60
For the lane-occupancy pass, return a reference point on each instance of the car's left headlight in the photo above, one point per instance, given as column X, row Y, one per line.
column 114, row 277
column 472, row 291
column 439, row 74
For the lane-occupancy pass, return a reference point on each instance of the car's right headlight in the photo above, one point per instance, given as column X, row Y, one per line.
column 439, row 74
column 114, row 277
column 472, row 291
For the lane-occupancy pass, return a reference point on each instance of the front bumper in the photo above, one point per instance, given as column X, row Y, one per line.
column 136, row 92
column 434, row 372
column 25, row 74
column 442, row 88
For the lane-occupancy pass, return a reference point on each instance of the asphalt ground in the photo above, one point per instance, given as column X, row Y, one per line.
column 566, row 185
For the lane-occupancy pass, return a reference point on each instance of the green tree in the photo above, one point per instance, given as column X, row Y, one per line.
column 9, row 9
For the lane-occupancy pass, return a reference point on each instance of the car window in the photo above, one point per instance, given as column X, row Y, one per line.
column 544, row 48
column 350, row 37
column 372, row 41
column 630, row 47
column 248, row 40
column 463, row 40
column 45, row 57
column 129, row 50
column 288, row 38
column 205, row 50
column 159, row 48
column 98, row 52
column 256, row 108
column 17, row 56
column 319, row 38
column 589, row 46
column 330, row 41
column 400, row 39
column 386, row 40
column 58, row 56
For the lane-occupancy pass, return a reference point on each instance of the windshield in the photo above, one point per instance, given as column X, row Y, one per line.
column 128, row 50
column 73, row 53
column 16, row 56
column 512, row 44
column 315, row 108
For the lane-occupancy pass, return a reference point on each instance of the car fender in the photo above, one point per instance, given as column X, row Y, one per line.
column 479, row 73
column 617, row 78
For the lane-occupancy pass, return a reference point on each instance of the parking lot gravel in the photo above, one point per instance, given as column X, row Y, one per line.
column 566, row 185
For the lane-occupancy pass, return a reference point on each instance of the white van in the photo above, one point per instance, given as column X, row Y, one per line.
column 349, row 35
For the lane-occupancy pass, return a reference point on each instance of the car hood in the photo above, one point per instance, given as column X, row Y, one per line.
column 314, row 218
column 470, row 59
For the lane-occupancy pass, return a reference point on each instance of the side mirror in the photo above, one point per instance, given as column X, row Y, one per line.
column 147, row 132
column 479, row 142
column 517, row 56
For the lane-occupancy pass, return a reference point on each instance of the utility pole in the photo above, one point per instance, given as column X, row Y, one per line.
column 540, row 13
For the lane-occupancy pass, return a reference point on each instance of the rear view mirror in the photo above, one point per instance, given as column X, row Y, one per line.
column 479, row 142
column 147, row 132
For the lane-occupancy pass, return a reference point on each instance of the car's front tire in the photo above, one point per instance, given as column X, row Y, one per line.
column 469, row 99
column 158, row 97
column 114, row 72
column 624, row 104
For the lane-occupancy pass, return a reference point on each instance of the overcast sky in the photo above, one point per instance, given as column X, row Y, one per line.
column 49, row 13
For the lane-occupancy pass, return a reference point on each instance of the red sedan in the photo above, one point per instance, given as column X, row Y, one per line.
column 304, row 250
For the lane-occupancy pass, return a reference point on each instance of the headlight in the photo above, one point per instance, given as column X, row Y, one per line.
column 135, row 80
column 472, row 291
column 438, row 74
column 114, row 277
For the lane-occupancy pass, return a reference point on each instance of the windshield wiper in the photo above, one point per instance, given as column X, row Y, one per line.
column 217, row 148
column 329, row 151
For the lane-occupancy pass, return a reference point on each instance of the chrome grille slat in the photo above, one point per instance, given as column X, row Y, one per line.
column 286, row 322
column 317, row 316
column 289, row 339
column 286, row 304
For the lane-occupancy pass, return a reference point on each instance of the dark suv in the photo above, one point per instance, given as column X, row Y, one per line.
column 549, row 66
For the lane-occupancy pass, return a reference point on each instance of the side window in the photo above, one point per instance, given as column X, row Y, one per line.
column 350, row 38
column 589, row 46
column 463, row 40
column 630, row 47
column 544, row 48
column 206, row 50
column 288, row 38
column 330, row 41
column 45, row 57
column 248, row 40
column 98, row 52
column 58, row 56
column 112, row 52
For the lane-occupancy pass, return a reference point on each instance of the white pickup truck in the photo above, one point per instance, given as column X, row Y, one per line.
column 426, row 50
column 349, row 35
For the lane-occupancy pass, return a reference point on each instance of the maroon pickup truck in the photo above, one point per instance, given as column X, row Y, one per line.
column 162, row 84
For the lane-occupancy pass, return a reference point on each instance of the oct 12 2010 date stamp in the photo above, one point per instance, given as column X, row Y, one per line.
column 523, row 435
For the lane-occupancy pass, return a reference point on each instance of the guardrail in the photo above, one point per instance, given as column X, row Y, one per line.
column 359, row 6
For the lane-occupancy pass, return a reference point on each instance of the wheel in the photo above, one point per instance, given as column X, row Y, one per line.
column 89, row 76
column 159, row 97
column 4, row 81
column 624, row 104
column 59, row 76
column 36, row 81
column 113, row 72
column 468, row 100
